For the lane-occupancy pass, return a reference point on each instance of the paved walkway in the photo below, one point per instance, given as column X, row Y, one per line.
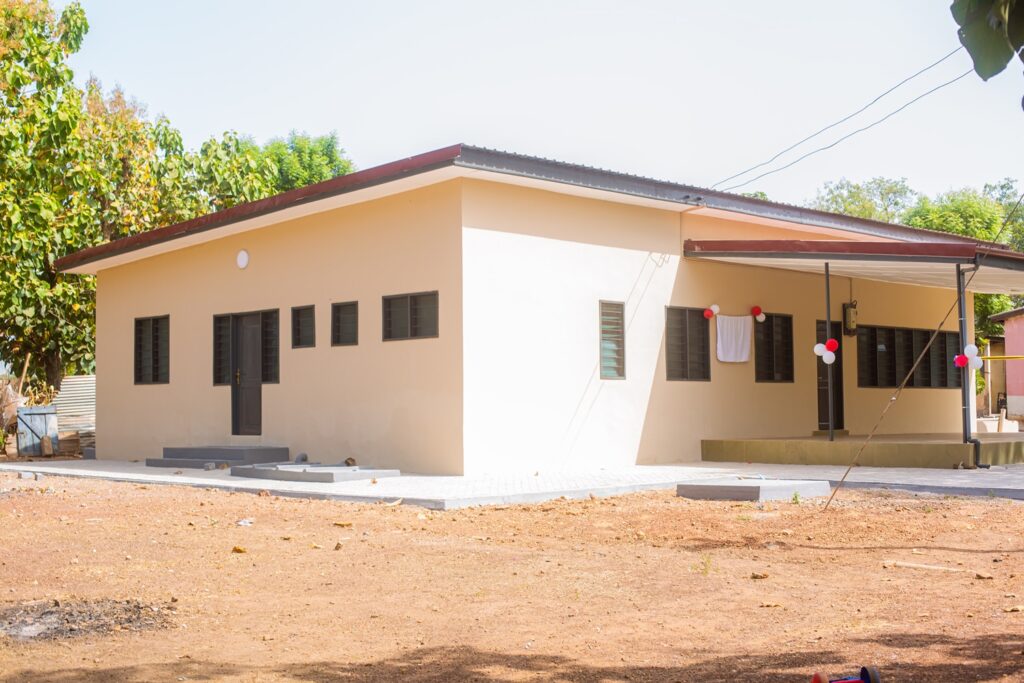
column 446, row 493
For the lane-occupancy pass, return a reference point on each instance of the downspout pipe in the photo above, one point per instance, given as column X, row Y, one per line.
column 965, row 372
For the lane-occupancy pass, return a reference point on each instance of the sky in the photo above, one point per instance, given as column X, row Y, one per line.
column 686, row 91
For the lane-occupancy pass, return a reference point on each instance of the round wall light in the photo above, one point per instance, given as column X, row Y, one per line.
column 242, row 259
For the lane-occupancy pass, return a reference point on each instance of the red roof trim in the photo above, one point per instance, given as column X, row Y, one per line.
column 302, row 195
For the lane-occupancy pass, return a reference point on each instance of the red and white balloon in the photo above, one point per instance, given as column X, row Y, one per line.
column 969, row 358
column 827, row 351
column 758, row 314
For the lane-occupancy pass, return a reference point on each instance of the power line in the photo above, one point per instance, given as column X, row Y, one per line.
column 842, row 120
column 850, row 135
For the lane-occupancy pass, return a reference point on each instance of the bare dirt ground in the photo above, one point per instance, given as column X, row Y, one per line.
column 647, row 587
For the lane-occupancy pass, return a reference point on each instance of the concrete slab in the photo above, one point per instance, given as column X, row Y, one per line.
column 753, row 489
column 311, row 473
column 446, row 493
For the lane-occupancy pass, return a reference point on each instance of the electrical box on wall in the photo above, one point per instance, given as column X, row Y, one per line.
column 850, row 319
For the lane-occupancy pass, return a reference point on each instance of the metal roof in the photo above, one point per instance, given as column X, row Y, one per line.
column 504, row 163
column 928, row 264
column 1006, row 315
column 76, row 403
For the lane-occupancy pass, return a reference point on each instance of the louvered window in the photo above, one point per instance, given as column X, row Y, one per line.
column 303, row 327
column 271, row 346
column 773, row 349
column 410, row 316
column 613, row 340
column 152, row 350
column 687, row 344
column 222, row 349
column 886, row 354
column 345, row 324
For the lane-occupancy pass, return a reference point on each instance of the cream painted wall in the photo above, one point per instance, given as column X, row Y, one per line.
column 396, row 403
column 535, row 266
column 512, row 382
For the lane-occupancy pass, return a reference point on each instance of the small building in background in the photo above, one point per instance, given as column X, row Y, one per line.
column 1013, row 373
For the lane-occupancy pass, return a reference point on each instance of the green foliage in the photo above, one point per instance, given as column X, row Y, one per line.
column 880, row 199
column 992, row 31
column 45, row 210
column 972, row 213
column 303, row 160
column 964, row 212
column 79, row 168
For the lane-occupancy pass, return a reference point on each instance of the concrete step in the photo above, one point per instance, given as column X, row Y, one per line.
column 189, row 463
column 310, row 473
column 235, row 454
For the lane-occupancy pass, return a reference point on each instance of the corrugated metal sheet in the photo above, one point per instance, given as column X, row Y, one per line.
column 76, row 403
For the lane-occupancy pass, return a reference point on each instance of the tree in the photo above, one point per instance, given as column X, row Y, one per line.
column 44, row 212
column 880, row 199
column 963, row 212
column 992, row 31
column 78, row 169
column 303, row 160
column 1005, row 192
column 972, row 213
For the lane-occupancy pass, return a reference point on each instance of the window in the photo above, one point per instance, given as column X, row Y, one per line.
column 152, row 351
column 303, row 327
column 613, row 340
column 270, row 350
column 410, row 316
column 345, row 324
column 687, row 344
column 223, row 340
column 221, row 349
column 886, row 354
column 773, row 349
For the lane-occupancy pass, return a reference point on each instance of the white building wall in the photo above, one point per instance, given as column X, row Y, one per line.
column 533, row 396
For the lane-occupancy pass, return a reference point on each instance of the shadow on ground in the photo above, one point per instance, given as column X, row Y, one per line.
column 981, row 658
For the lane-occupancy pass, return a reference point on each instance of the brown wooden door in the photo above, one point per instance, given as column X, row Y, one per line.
column 837, row 377
column 247, row 375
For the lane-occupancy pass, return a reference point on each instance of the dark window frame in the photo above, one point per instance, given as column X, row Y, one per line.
column 268, row 316
column 222, row 364
column 409, row 296
column 684, row 364
column 760, row 371
column 335, row 336
column 156, row 376
column 620, row 370
column 936, row 370
column 297, row 321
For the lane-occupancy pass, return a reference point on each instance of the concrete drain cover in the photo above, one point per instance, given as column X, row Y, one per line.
column 59, row 619
column 752, row 489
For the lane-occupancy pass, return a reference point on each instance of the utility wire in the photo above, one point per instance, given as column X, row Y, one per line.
column 899, row 390
column 850, row 135
column 840, row 121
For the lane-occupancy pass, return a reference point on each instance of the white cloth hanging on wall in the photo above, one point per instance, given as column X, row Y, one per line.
column 734, row 333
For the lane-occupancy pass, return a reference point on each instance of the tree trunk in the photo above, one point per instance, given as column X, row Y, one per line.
column 54, row 368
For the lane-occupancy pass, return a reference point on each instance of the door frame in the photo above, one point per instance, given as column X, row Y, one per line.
column 837, row 379
column 235, row 367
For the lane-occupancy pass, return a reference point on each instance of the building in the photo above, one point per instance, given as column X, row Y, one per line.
column 468, row 311
column 1012, row 379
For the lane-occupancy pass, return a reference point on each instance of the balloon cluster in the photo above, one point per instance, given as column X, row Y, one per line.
column 827, row 351
column 712, row 310
column 969, row 357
